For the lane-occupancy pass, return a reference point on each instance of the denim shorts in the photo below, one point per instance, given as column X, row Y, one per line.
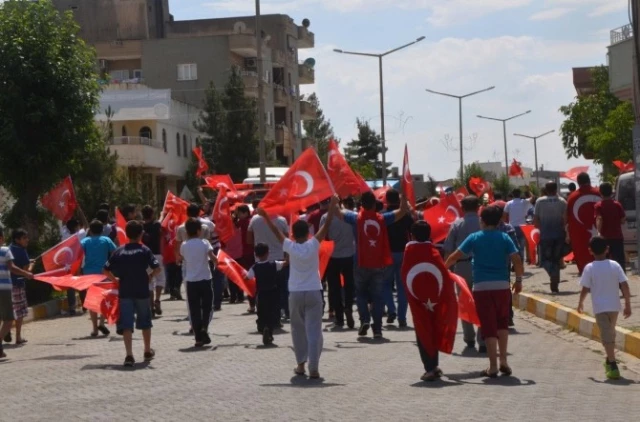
column 138, row 308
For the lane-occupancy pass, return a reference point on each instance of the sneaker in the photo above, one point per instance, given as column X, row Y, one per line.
column 471, row 345
column 267, row 338
column 364, row 329
column 482, row 349
column 104, row 330
column 72, row 312
column 402, row 324
column 391, row 318
column 377, row 334
column 611, row 370
column 148, row 356
column 350, row 322
column 157, row 308
column 205, row 338
column 7, row 338
column 511, row 323
column 129, row 361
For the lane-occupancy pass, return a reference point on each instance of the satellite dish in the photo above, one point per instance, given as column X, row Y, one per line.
column 239, row 27
column 306, row 23
column 310, row 62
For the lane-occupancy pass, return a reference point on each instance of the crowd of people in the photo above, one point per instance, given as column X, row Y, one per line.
column 371, row 243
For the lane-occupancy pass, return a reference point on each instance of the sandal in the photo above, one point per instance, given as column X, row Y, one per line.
column 506, row 370
column 157, row 308
column 21, row 341
column 104, row 330
column 429, row 376
column 297, row 372
column 148, row 356
column 438, row 373
column 314, row 375
column 486, row 373
column 94, row 334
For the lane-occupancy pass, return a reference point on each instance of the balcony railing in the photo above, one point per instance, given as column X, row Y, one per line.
column 621, row 34
column 306, row 74
column 136, row 140
column 306, row 38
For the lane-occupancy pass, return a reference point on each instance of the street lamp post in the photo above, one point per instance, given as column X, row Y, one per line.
column 460, row 98
column 535, row 149
column 382, row 134
column 261, row 141
column 504, row 130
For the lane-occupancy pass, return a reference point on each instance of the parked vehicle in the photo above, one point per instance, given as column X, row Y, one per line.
column 626, row 195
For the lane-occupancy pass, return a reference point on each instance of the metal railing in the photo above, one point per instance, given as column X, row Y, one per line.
column 621, row 34
column 136, row 140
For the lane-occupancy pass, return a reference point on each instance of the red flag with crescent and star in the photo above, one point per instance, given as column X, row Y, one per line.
column 70, row 281
column 431, row 296
column 478, row 186
column 121, row 225
column 61, row 200
column 381, row 194
column 461, row 193
column 305, row 183
column 234, row 272
column 218, row 181
column 222, row 216
column 582, row 223
column 515, row 169
column 102, row 298
column 408, row 189
column 174, row 204
column 442, row 215
column 532, row 235
column 66, row 255
column 466, row 304
column 203, row 167
column 624, row 167
column 344, row 179
column 572, row 174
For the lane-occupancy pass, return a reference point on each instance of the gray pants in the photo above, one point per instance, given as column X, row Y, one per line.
column 465, row 270
column 306, row 326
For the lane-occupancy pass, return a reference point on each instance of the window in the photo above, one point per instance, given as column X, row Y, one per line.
column 187, row 72
column 184, row 145
column 178, row 143
column 145, row 132
column 119, row 75
column 268, row 118
column 164, row 140
column 124, row 130
column 137, row 74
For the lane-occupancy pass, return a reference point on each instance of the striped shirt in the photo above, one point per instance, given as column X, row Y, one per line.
column 5, row 275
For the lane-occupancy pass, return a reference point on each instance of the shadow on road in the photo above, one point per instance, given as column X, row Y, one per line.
column 113, row 367
column 65, row 357
column 439, row 383
column 621, row 381
column 304, row 382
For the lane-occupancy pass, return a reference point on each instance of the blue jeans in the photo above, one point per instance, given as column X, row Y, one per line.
column 370, row 285
column 521, row 242
column 393, row 272
column 283, row 288
column 134, row 309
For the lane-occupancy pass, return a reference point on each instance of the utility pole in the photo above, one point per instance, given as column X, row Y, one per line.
column 261, row 140
column 635, row 24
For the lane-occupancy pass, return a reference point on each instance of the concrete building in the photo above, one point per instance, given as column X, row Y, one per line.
column 139, row 41
column 620, row 59
column 153, row 135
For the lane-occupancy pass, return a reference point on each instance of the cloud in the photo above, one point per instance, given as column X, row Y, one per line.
column 551, row 14
column 594, row 8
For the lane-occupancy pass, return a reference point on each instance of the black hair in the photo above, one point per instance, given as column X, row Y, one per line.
column 133, row 229
column 255, row 204
column 261, row 250
column 243, row 208
column 301, row 229
column 551, row 188
column 491, row 215
column 103, row 215
column 72, row 225
column 104, row 206
column 368, row 201
column 147, row 212
column 193, row 210
column 470, row 203
column 606, row 189
column 572, row 187
column 497, row 196
column 598, row 245
column 18, row 234
column 349, row 203
column 192, row 226
column 379, row 206
column 96, row 227
column 393, row 197
column 517, row 193
column 128, row 209
column 421, row 231
column 584, row 179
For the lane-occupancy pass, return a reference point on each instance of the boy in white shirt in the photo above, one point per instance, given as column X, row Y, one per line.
column 603, row 278
column 196, row 253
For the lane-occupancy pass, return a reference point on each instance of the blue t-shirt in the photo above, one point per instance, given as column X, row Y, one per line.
column 130, row 264
column 490, row 249
column 97, row 250
column 20, row 260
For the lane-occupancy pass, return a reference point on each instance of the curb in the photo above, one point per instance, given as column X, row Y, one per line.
column 46, row 310
column 626, row 340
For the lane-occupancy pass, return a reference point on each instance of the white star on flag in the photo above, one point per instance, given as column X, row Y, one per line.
column 107, row 304
column 430, row 305
column 441, row 219
column 372, row 243
column 61, row 204
column 283, row 192
column 593, row 231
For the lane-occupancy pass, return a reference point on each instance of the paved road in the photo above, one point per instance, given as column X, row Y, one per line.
column 64, row 375
column 537, row 282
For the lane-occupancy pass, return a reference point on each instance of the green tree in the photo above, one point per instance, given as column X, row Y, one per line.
column 49, row 96
column 502, row 185
column 472, row 170
column 598, row 125
column 319, row 131
column 366, row 149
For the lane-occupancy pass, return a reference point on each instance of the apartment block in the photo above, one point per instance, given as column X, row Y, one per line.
column 620, row 59
column 138, row 41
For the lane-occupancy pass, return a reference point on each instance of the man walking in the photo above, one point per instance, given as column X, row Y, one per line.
column 516, row 212
column 581, row 220
column 550, row 219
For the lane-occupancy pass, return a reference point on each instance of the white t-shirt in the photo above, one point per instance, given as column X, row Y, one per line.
column 604, row 279
column 517, row 210
column 195, row 254
column 262, row 234
column 304, row 265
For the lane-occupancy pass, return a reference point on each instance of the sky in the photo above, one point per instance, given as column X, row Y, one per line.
column 525, row 48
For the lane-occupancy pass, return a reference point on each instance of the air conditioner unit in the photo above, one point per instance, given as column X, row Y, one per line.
column 103, row 64
column 251, row 63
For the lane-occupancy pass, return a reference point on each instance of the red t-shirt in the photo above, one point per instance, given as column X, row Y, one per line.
column 612, row 214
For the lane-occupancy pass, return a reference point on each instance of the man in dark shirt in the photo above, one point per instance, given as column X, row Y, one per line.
column 130, row 264
column 152, row 238
column 398, row 233
column 610, row 217
column 313, row 219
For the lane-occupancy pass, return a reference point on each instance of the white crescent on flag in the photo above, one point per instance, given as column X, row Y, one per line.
column 308, row 179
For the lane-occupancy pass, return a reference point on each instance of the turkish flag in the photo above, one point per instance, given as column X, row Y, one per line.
column 431, row 297
column 69, row 281
column 515, row 169
column 102, row 298
column 121, row 225
column 582, row 223
column 363, row 185
column 381, row 194
column 325, row 252
column 222, row 216
column 218, row 181
column 234, row 272
column 441, row 216
column 66, row 255
column 478, row 185
column 305, row 183
column 461, row 193
column 533, row 239
column 344, row 179
column 408, row 189
column 175, row 204
column 466, row 304
column 203, row 167
column 572, row 174
column 624, row 167
column 61, row 200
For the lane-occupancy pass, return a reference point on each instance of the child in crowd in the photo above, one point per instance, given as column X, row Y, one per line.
column 131, row 264
column 7, row 268
column 603, row 278
column 19, row 243
column 196, row 253
column 268, row 298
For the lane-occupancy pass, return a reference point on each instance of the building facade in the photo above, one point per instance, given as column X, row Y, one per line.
column 620, row 59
